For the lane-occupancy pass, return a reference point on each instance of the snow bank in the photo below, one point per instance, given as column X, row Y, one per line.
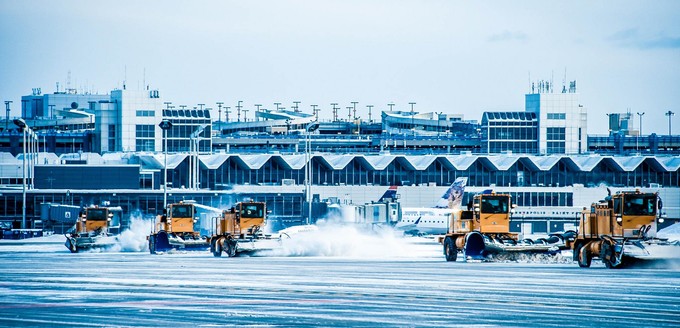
column 671, row 232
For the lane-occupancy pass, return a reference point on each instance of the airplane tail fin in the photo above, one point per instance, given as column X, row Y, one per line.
column 453, row 197
column 390, row 193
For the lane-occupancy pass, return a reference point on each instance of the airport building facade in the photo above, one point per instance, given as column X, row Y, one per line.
column 538, row 155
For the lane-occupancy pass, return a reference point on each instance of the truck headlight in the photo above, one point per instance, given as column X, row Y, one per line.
column 661, row 220
column 619, row 219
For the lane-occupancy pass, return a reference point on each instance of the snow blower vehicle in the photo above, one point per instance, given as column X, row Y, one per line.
column 177, row 229
column 482, row 232
column 239, row 230
column 621, row 230
column 95, row 227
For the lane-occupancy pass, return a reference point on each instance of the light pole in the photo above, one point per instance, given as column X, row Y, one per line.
column 165, row 125
column 640, row 132
column 308, row 168
column 439, row 117
column 413, row 125
column 22, row 125
column 669, row 114
column 219, row 116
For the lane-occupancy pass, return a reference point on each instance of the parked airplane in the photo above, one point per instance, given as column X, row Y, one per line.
column 433, row 220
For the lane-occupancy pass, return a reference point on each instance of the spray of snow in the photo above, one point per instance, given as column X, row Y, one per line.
column 134, row 238
column 358, row 241
column 338, row 236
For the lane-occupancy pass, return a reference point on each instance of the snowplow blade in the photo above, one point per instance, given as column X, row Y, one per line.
column 77, row 244
column 163, row 242
column 653, row 252
column 480, row 247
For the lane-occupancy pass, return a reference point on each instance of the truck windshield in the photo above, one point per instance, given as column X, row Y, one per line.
column 252, row 210
column 96, row 214
column 495, row 204
column 639, row 205
column 181, row 211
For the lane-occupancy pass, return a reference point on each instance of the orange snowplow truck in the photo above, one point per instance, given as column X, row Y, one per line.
column 483, row 232
column 620, row 230
column 91, row 228
column 240, row 229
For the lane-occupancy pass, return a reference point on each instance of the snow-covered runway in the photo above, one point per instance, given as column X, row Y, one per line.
column 45, row 285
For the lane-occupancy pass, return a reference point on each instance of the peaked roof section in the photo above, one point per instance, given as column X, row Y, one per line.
column 379, row 162
column 542, row 163
column 628, row 163
column 8, row 158
column 255, row 162
column 213, row 162
column 461, row 162
column 585, row 163
column 155, row 161
column 337, row 162
column 294, row 162
column 669, row 163
column 420, row 163
column 503, row 162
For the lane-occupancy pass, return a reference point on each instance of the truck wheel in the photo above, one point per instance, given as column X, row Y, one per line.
column 230, row 247
column 450, row 250
column 72, row 245
column 152, row 244
column 584, row 256
column 608, row 257
column 216, row 248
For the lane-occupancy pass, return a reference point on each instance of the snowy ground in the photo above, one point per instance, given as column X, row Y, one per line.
column 323, row 279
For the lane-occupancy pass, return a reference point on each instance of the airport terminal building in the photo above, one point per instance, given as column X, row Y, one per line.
column 540, row 156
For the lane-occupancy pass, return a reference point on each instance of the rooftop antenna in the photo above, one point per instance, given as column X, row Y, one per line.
column 369, row 113
column 391, row 105
column 219, row 111
column 238, row 110
column 354, row 105
column 296, row 106
column 552, row 78
column 564, row 81
column 7, row 102
column 124, row 76
column 315, row 111
column 245, row 115
column 349, row 113
column 335, row 112
column 201, row 105
column 226, row 113
column 258, row 110
column 278, row 105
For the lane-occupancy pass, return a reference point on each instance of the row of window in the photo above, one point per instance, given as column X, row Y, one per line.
column 145, row 131
column 513, row 133
column 557, row 116
column 555, row 134
column 145, row 113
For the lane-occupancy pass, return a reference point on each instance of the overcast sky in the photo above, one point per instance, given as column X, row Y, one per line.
column 457, row 57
